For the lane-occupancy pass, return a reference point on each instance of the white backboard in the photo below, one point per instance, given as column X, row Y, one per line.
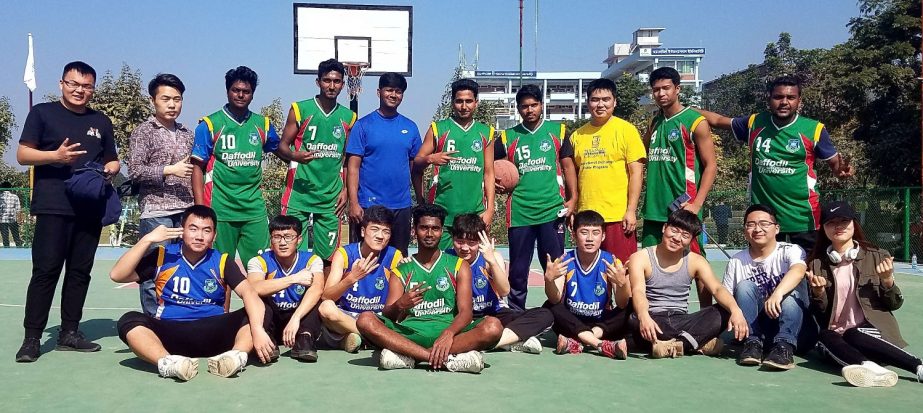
column 379, row 35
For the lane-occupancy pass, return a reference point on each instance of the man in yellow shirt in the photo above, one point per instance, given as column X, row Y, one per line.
column 609, row 156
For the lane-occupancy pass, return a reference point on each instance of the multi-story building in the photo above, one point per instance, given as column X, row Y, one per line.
column 564, row 92
column 646, row 53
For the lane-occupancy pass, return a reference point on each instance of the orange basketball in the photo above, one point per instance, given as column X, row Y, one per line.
column 506, row 174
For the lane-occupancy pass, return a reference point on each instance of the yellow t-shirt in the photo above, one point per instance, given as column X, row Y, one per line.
column 602, row 155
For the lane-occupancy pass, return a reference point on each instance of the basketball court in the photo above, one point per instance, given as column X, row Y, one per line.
column 114, row 380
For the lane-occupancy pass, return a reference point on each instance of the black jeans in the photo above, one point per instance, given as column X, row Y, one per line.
column 400, row 230
column 864, row 343
column 60, row 242
column 614, row 323
column 694, row 329
column 8, row 229
column 277, row 320
column 805, row 240
column 550, row 238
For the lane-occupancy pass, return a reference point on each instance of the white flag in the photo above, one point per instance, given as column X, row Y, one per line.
column 29, row 76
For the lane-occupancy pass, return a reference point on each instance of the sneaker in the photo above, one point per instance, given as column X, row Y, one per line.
column 780, row 357
column 304, row 349
column 920, row 373
column 228, row 363
column 73, row 340
column 869, row 374
column 470, row 362
column 274, row 355
column 712, row 348
column 752, row 354
column 29, row 351
column 614, row 349
column 568, row 345
column 531, row 346
column 180, row 367
column 389, row 360
column 351, row 343
column 671, row 348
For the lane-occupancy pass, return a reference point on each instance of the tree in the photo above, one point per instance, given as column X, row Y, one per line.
column 124, row 101
column 274, row 168
column 7, row 124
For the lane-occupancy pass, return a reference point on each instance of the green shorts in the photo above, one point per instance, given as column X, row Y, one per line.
column 651, row 233
column 246, row 238
column 324, row 232
column 425, row 330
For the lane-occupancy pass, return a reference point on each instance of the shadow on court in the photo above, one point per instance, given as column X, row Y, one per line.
column 94, row 330
column 135, row 363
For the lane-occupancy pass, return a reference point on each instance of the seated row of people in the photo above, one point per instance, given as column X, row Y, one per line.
column 443, row 308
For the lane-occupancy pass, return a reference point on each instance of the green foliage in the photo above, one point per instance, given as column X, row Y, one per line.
column 274, row 168
column 7, row 124
column 124, row 100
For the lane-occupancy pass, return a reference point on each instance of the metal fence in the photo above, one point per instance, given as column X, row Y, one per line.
column 891, row 218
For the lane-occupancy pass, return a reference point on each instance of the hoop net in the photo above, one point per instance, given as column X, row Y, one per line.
column 354, row 73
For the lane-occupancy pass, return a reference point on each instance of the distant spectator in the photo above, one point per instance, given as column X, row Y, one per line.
column 9, row 216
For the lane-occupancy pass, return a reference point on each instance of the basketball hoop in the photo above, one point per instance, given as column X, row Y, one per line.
column 354, row 73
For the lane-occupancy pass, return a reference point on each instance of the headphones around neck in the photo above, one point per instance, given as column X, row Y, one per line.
column 850, row 254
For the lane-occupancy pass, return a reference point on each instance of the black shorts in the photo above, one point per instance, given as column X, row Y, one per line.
column 205, row 337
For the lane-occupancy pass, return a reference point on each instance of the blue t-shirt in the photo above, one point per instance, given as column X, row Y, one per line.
column 586, row 292
column 386, row 146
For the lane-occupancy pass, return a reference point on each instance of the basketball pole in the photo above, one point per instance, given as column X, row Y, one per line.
column 354, row 104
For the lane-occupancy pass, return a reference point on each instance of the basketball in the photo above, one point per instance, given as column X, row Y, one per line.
column 506, row 175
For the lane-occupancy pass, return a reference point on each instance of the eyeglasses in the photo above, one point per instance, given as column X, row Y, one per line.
column 74, row 85
column 287, row 238
column 762, row 224
column 683, row 234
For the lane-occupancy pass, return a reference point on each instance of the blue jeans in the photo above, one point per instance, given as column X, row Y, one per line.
column 147, row 290
column 785, row 328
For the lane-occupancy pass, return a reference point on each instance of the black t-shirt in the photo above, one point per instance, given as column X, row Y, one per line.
column 46, row 127
column 147, row 268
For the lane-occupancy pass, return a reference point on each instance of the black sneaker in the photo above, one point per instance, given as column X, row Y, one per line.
column 752, row 354
column 304, row 349
column 781, row 357
column 29, row 351
column 73, row 340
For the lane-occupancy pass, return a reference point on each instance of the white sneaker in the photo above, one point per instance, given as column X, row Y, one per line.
column 920, row 373
column 351, row 343
column 228, row 363
column 531, row 346
column 180, row 367
column 470, row 362
column 389, row 360
column 869, row 374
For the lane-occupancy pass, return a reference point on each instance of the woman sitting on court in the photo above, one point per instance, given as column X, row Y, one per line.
column 852, row 296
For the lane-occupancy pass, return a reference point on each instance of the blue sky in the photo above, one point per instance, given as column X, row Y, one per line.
column 199, row 40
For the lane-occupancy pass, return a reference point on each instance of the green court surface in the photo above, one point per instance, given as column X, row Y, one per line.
column 114, row 380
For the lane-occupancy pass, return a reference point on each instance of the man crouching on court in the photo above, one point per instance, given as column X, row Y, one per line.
column 190, row 279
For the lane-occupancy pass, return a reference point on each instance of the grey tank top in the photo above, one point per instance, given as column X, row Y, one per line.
column 667, row 291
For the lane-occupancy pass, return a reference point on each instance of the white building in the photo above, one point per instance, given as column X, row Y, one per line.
column 646, row 53
column 564, row 92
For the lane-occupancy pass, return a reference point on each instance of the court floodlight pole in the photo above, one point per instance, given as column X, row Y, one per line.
column 520, row 44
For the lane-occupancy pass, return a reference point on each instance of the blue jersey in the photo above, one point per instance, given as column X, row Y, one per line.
column 586, row 293
column 485, row 299
column 386, row 145
column 289, row 298
column 369, row 293
column 187, row 291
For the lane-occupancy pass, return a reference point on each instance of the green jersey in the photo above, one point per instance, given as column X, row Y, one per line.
column 539, row 196
column 672, row 162
column 233, row 153
column 315, row 186
column 782, row 168
column 440, row 298
column 459, row 185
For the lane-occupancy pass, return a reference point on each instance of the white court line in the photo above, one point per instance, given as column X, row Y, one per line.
column 85, row 308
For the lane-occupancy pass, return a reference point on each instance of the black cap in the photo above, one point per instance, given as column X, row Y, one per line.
column 836, row 209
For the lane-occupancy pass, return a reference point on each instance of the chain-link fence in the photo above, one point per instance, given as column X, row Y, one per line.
column 891, row 218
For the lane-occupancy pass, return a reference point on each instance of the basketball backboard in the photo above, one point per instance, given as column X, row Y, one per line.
column 381, row 36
